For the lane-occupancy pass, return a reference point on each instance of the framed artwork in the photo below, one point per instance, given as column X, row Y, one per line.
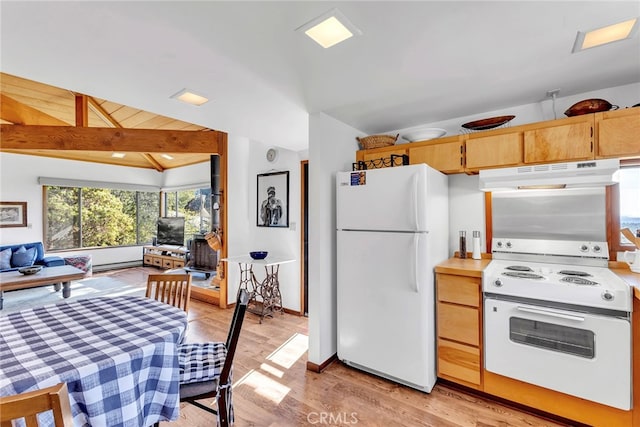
column 273, row 199
column 13, row 214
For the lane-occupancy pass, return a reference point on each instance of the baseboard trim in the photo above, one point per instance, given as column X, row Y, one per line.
column 116, row 266
column 321, row 367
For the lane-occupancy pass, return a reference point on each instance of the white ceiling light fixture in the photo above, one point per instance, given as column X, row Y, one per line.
column 166, row 156
column 330, row 29
column 118, row 155
column 186, row 95
column 604, row 35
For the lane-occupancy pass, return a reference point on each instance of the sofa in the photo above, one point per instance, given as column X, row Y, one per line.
column 14, row 257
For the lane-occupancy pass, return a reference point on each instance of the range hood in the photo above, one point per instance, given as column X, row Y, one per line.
column 589, row 173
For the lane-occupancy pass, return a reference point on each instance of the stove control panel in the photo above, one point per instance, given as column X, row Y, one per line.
column 567, row 248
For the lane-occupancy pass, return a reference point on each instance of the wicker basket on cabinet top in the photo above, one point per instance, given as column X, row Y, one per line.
column 376, row 141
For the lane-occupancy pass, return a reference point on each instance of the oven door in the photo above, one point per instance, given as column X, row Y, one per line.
column 581, row 354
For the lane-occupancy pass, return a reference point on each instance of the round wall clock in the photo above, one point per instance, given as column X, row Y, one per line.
column 272, row 154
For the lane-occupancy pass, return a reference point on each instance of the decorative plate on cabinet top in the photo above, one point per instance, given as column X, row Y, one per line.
column 424, row 134
column 490, row 123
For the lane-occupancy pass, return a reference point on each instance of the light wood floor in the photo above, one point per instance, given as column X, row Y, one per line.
column 272, row 386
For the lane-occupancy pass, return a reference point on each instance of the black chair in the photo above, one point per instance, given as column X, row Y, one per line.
column 220, row 387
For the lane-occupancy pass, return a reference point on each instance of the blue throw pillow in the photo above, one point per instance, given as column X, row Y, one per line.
column 5, row 259
column 23, row 257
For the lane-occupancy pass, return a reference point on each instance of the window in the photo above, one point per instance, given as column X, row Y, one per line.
column 98, row 217
column 624, row 207
column 194, row 205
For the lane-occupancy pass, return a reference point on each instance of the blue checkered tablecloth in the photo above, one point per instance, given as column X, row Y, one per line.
column 117, row 355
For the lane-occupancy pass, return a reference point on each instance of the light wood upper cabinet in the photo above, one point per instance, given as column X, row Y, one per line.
column 560, row 140
column 618, row 133
column 381, row 157
column 444, row 154
column 586, row 137
column 492, row 151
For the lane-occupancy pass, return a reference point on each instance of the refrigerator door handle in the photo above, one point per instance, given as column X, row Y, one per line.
column 416, row 273
column 415, row 202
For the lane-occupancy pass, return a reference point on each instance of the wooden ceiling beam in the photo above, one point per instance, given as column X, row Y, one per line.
column 82, row 111
column 20, row 114
column 106, row 117
column 22, row 137
column 100, row 112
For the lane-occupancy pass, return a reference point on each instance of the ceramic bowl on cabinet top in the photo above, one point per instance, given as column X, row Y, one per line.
column 423, row 134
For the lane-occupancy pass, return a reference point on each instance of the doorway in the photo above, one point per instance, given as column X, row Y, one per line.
column 304, row 237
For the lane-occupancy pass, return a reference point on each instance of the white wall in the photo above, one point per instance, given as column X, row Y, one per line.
column 19, row 183
column 246, row 160
column 332, row 147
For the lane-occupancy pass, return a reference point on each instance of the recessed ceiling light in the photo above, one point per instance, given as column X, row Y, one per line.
column 118, row 155
column 166, row 156
column 185, row 95
column 330, row 28
column 604, row 35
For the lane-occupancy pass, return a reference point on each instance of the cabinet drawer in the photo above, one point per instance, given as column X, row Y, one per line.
column 157, row 261
column 459, row 289
column 148, row 259
column 167, row 263
column 458, row 323
column 459, row 361
column 178, row 264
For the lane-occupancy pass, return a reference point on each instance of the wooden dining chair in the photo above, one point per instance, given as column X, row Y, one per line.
column 172, row 289
column 28, row 405
column 207, row 355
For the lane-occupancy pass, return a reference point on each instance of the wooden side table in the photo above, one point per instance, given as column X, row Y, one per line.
column 264, row 296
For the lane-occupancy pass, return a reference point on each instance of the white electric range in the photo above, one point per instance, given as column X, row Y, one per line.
column 557, row 317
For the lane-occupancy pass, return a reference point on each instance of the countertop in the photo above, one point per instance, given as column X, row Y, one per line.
column 633, row 279
column 463, row 267
column 473, row 268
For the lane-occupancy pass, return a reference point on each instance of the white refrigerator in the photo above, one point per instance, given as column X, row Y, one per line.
column 392, row 229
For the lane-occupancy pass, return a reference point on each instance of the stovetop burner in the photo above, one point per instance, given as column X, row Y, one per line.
column 574, row 273
column 519, row 268
column 522, row 275
column 560, row 272
column 578, row 281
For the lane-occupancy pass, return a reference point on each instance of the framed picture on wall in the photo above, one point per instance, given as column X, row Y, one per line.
column 13, row 214
column 273, row 199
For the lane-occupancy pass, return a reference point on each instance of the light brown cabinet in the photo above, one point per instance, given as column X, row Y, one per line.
column 491, row 151
column 618, row 133
column 600, row 135
column 163, row 257
column 560, row 140
column 459, row 329
column 444, row 154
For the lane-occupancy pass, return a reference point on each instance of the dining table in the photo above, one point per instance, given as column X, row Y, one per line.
column 118, row 356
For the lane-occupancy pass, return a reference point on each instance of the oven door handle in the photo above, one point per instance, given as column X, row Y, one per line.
column 551, row 313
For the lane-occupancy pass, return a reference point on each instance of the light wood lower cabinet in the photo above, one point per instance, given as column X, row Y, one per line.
column 459, row 329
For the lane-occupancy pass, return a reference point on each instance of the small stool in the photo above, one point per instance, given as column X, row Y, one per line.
column 83, row 262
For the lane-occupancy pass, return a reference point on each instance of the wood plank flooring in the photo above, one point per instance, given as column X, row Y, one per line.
column 272, row 386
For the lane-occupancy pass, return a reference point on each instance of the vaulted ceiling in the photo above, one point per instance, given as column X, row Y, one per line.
column 37, row 105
